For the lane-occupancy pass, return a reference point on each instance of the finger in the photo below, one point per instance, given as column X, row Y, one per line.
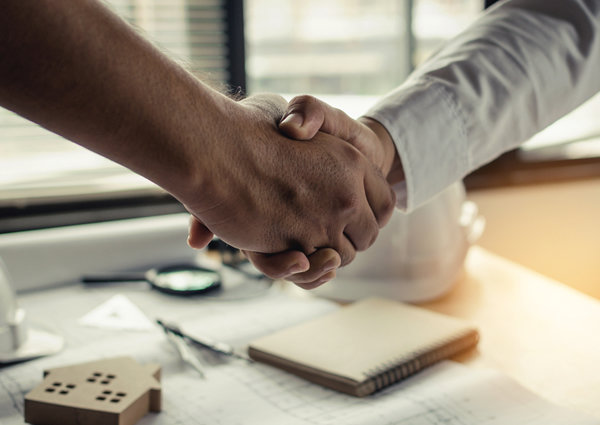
column 373, row 213
column 303, row 118
column 322, row 262
column 306, row 115
column 280, row 265
column 318, row 282
column 198, row 234
column 362, row 230
column 380, row 195
column 346, row 247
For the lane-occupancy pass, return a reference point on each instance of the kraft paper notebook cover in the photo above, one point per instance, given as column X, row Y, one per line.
column 366, row 346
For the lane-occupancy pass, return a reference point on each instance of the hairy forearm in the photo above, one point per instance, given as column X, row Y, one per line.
column 80, row 71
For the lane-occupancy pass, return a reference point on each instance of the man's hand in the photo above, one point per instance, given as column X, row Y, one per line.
column 305, row 116
column 267, row 194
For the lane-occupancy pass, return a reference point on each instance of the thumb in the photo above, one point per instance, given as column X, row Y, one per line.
column 198, row 234
column 304, row 117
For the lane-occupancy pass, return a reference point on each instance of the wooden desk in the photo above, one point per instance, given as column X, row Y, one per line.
column 538, row 331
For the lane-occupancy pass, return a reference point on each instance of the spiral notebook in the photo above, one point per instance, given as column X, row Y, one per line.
column 367, row 346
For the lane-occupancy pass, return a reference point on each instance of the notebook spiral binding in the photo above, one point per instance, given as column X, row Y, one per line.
column 401, row 368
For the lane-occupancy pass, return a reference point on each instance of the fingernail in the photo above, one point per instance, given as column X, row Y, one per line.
column 297, row 268
column 293, row 119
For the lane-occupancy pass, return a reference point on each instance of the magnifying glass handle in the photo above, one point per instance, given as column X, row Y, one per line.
column 114, row 277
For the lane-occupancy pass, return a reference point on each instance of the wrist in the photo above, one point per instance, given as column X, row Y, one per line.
column 206, row 145
column 230, row 139
column 391, row 163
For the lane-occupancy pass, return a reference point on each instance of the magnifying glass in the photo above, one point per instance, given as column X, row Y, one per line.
column 182, row 280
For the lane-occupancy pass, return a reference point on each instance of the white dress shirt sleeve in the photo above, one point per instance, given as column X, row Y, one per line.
column 522, row 65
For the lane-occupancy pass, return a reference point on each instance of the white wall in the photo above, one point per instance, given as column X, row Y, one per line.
column 553, row 229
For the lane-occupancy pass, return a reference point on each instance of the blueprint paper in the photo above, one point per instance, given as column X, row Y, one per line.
column 239, row 393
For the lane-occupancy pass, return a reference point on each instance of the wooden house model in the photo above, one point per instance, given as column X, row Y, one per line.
column 116, row 391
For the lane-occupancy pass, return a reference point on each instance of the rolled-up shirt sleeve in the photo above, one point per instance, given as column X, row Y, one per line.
column 522, row 65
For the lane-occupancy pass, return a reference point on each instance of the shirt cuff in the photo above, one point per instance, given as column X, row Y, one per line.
column 428, row 129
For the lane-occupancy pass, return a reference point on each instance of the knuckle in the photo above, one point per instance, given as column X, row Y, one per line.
column 353, row 156
column 387, row 209
column 303, row 101
column 308, row 106
column 347, row 257
column 349, row 202
column 374, row 235
column 371, row 231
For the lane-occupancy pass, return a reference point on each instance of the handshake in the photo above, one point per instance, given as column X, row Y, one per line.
column 299, row 188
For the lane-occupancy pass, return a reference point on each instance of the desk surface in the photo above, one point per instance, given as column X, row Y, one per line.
column 539, row 331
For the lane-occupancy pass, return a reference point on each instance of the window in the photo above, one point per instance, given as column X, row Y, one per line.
column 334, row 47
column 346, row 52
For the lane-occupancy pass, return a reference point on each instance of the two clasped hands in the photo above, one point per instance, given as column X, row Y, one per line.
column 305, row 189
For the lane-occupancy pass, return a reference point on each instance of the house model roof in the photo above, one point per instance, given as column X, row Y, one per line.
column 115, row 391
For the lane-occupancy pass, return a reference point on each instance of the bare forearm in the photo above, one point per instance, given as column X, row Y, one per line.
column 80, row 71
